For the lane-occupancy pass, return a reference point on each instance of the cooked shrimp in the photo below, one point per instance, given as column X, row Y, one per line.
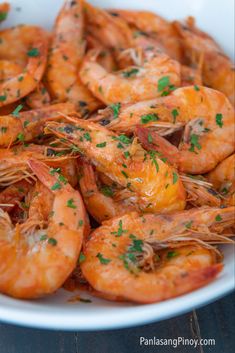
column 13, row 194
column 36, row 264
column 223, row 179
column 32, row 42
column 111, row 31
column 217, row 69
column 65, row 58
column 8, row 69
column 207, row 115
column 199, row 191
column 223, row 176
column 105, row 57
column 25, row 126
column 13, row 163
column 155, row 26
column 4, row 9
column 134, row 83
column 134, row 257
column 154, row 185
column 39, row 97
column 99, row 201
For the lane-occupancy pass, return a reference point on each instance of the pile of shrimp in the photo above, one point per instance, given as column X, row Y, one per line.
column 116, row 155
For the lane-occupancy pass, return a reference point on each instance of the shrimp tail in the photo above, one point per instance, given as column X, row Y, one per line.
column 43, row 173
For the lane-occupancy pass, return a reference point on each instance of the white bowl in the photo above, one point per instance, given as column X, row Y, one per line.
column 54, row 312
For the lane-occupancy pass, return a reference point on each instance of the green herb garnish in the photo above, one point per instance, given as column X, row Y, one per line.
column 103, row 261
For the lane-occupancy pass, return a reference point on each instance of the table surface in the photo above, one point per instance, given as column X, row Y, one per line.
column 216, row 320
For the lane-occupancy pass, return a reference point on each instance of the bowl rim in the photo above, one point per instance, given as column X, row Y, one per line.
column 48, row 317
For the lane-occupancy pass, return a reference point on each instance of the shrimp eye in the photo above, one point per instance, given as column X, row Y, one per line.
column 68, row 129
column 104, row 122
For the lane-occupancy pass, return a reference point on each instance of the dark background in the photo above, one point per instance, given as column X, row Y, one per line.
column 216, row 320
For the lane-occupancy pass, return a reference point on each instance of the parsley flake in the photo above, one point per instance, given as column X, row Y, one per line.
column 194, row 143
column 218, row 218
column 56, row 186
column 34, row 52
column 82, row 257
column 163, row 82
column 17, row 110
column 101, row 145
column 175, row 178
column 107, row 191
column 130, row 73
column 87, row 136
column 148, row 118
column 219, row 120
column 52, row 241
column 70, row 204
column 120, row 230
column 115, row 108
column 103, row 261
column 174, row 113
column 171, row 254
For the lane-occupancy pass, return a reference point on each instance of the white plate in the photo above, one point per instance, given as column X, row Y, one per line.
column 214, row 16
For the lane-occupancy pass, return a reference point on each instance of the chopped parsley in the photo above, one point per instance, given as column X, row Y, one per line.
column 3, row 97
column 87, row 136
column 148, row 118
column 152, row 155
column 20, row 137
column 126, row 154
column 26, row 123
column 52, row 241
column 175, row 178
column 130, row 73
column 218, row 218
column 124, row 173
column 189, row 224
column 17, row 110
column 194, row 143
column 219, row 119
column 34, row 52
column 103, row 261
column 63, row 179
column 43, row 237
column 3, row 129
column 54, row 170
column 101, row 145
column 130, row 257
column 56, row 186
column 70, row 204
column 80, row 223
column 115, row 108
column 136, row 246
column 174, row 113
column 120, row 230
column 82, row 257
column 163, row 83
column 196, row 88
column 123, row 139
column 150, row 138
column 3, row 16
column 107, row 191
column 171, row 254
